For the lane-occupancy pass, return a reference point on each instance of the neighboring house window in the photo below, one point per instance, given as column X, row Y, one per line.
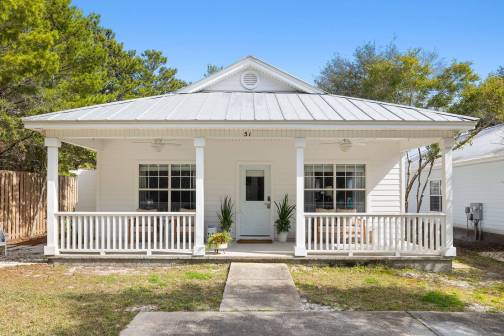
column 167, row 187
column 337, row 187
column 435, row 196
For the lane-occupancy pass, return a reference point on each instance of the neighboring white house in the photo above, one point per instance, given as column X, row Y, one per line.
column 478, row 177
column 254, row 133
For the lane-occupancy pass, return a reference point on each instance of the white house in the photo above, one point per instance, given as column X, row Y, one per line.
column 478, row 177
column 254, row 133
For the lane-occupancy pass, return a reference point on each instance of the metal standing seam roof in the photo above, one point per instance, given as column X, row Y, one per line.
column 248, row 106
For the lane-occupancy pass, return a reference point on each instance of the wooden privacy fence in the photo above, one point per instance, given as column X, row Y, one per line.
column 23, row 203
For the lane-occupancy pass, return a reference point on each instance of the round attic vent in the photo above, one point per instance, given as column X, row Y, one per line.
column 249, row 80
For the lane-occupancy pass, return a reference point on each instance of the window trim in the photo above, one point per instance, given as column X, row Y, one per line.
column 136, row 175
column 440, row 195
column 365, row 163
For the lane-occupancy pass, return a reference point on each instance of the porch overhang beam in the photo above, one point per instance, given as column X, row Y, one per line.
column 255, row 124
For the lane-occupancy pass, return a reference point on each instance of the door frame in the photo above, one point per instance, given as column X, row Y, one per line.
column 239, row 165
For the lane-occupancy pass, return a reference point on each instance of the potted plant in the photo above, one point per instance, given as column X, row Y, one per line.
column 219, row 241
column 285, row 212
column 225, row 215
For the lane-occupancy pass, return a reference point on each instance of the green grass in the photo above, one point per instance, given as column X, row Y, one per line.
column 444, row 300
column 198, row 275
column 64, row 300
column 476, row 280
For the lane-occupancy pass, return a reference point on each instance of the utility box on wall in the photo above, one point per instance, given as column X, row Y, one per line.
column 477, row 210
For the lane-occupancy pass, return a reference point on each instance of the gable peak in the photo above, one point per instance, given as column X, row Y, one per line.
column 250, row 74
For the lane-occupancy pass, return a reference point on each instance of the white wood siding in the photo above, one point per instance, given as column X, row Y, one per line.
column 265, row 83
column 481, row 182
column 119, row 159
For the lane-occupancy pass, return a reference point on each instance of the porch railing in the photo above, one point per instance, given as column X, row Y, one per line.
column 125, row 231
column 375, row 233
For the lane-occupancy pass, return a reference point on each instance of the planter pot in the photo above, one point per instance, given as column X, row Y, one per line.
column 220, row 248
column 282, row 237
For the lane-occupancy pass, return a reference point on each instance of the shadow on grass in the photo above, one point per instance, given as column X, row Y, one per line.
column 381, row 298
column 107, row 313
column 486, row 267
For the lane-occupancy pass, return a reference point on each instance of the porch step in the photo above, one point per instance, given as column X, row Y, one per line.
column 260, row 287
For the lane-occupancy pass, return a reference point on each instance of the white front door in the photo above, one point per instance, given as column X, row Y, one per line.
column 255, row 202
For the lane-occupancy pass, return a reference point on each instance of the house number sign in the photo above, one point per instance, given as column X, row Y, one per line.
column 247, row 133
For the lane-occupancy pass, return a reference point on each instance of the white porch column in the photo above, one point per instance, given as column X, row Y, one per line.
column 403, row 166
column 199, row 243
column 300, row 248
column 52, row 145
column 447, row 191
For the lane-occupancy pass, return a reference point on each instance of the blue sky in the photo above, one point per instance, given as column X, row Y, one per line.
column 301, row 36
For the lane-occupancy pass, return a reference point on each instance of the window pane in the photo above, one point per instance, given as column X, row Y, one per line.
column 175, row 170
column 175, row 182
column 318, row 170
column 328, row 182
column 254, row 185
column 185, row 170
column 153, row 182
column 153, row 170
column 309, row 199
column 163, row 170
column 144, row 170
column 309, row 182
column 350, row 182
column 360, row 182
column 142, row 183
column 186, row 183
column 360, row 170
column 163, row 182
column 175, row 200
column 162, row 201
column 435, row 203
column 340, row 170
column 308, row 170
column 435, row 187
column 340, row 182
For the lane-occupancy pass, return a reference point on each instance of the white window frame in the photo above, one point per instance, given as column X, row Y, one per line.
column 440, row 195
column 169, row 189
column 335, row 189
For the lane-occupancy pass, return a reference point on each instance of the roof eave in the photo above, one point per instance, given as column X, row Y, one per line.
column 253, row 124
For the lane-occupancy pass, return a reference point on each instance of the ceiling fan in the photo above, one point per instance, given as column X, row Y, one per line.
column 158, row 143
column 345, row 144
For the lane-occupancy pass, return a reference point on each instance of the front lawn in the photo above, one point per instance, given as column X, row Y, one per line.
column 476, row 284
column 98, row 300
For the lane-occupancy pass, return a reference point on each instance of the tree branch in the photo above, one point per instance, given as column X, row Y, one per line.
column 11, row 146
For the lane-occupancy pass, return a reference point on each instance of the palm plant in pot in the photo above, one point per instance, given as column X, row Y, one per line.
column 285, row 212
column 220, row 240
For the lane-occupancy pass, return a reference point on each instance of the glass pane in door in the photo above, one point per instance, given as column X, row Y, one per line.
column 254, row 185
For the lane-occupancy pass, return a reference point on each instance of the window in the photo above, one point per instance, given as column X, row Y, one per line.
column 167, row 187
column 254, row 183
column 339, row 187
column 435, row 196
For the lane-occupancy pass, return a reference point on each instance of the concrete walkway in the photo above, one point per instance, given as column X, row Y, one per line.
column 260, row 287
column 316, row 323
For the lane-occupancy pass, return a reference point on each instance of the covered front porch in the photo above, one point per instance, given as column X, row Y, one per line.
column 368, row 222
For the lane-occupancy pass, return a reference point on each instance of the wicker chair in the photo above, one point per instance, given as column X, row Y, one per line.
column 357, row 228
